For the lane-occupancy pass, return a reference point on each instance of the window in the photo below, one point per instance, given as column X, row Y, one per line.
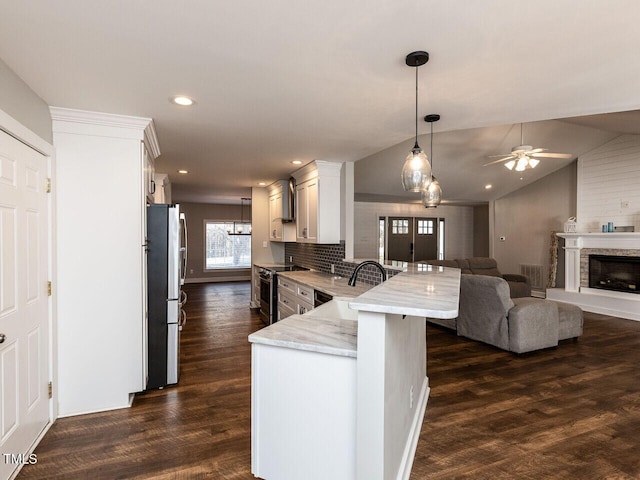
column 441, row 239
column 400, row 227
column 425, row 227
column 381, row 242
column 226, row 251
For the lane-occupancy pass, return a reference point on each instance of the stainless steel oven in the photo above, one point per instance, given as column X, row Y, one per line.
column 266, row 295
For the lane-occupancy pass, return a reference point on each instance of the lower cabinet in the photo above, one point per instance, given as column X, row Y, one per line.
column 303, row 417
column 293, row 298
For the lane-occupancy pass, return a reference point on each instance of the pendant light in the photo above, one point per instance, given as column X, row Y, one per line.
column 238, row 228
column 416, row 172
column 432, row 195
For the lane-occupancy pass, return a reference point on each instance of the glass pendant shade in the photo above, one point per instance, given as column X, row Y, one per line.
column 416, row 172
column 432, row 195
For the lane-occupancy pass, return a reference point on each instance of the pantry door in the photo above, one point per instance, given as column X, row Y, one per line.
column 24, row 301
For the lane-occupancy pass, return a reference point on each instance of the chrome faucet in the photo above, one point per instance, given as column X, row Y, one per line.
column 354, row 275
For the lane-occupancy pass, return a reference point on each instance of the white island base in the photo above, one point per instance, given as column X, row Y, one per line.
column 344, row 399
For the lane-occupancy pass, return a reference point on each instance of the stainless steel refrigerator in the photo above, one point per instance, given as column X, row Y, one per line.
column 166, row 266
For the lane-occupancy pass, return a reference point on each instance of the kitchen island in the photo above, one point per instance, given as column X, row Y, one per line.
column 343, row 397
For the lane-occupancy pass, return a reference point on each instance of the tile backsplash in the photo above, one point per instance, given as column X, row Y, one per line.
column 321, row 257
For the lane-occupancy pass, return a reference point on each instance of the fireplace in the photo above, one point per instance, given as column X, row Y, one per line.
column 612, row 272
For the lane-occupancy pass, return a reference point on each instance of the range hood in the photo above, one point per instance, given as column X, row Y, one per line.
column 288, row 190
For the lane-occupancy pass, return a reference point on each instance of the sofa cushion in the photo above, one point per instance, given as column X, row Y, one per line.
column 484, row 266
column 519, row 289
column 570, row 320
column 463, row 265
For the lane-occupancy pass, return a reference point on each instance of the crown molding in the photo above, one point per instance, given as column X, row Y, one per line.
column 144, row 127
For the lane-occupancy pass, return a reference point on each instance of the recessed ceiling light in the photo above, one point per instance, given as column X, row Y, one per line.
column 183, row 172
column 182, row 100
column 262, row 184
column 297, row 162
column 488, row 186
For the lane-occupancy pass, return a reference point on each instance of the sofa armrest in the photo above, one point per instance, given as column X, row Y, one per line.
column 533, row 325
column 515, row 277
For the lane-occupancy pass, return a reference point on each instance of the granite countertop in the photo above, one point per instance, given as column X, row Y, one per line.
column 325, row 282
column 311, row 333
column 422, row 290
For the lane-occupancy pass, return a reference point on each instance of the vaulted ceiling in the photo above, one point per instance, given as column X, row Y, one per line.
column 279, row 81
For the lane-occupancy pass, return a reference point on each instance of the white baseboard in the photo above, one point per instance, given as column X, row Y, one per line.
column 404, row 470
column 603, row 303
column 237, row 278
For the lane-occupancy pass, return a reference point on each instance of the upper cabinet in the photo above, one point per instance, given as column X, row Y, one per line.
column 317, row 202
column 149, row 172
column 281, row 228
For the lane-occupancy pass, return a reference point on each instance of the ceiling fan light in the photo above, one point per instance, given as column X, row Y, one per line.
column 533, row 162
column 416, row 172
column 510, row 164
column 522, row 164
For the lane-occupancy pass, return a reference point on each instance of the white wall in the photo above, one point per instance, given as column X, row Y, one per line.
column 526, row 218
column 197, row 214
column 20, row 102
column 458, row 226
column 607, row 177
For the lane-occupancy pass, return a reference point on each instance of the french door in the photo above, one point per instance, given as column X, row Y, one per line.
column 413, row 239
column 24, row 301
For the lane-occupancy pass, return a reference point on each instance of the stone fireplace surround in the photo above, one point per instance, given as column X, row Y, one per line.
column 578, row 247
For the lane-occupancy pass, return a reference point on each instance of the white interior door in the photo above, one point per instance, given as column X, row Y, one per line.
column 24, row 303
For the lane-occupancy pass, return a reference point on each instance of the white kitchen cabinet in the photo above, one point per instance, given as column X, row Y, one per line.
column 303, row 420
column 149, row 176
column 318, row 202
column 281, row 228
column 293, row 298
column 101, row 276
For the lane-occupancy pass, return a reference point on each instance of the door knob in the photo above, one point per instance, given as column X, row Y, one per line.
column 2, row 337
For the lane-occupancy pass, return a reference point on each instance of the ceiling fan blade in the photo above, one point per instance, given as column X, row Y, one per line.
column 552, row 155
column 503, row 159
column 503, row 155
column 536, row 150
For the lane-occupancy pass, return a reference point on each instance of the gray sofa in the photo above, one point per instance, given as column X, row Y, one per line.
column 489, row 315
column 519, row 285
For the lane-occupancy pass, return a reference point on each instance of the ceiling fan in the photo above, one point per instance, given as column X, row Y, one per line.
column 522, row 156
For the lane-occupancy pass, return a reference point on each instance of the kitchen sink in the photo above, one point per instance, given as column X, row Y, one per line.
column 336, row 308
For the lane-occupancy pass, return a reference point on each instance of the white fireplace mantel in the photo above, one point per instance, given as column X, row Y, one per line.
column 625, row 305
column 629, row 240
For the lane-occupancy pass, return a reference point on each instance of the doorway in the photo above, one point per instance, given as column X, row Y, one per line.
column 411, row 239
column 25, row 308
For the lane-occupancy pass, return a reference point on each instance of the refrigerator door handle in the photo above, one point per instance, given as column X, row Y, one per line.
column 183, row 298
column 183, row 249
column 183, row 319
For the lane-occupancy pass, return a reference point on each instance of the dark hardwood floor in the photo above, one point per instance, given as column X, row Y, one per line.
column 571, row 412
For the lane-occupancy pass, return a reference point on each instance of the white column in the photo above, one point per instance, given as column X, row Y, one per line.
column 572, row 264
column 370, row 411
